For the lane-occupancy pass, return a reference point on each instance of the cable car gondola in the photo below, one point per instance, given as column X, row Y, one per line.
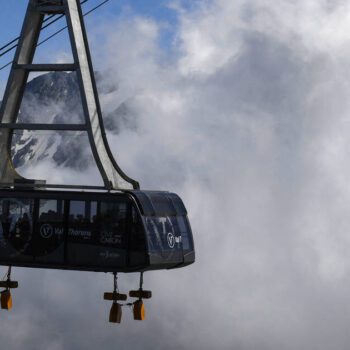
column 92, row 231
column 116, row 228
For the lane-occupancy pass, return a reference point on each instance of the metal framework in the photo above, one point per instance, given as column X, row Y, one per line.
column 113, row 177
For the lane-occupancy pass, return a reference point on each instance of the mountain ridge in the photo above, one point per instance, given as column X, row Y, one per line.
column 55, row 98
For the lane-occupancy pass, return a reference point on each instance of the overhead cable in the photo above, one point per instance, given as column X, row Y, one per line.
column 47, row 25
column 60, row 30
column 15, row 39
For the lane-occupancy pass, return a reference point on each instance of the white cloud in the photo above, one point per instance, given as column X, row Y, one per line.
column 215, row 32
column 250, row 126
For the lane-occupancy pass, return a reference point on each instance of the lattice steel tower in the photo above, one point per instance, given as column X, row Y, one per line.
column 112, row 175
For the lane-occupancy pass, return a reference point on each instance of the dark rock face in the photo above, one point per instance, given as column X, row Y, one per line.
column 55, row 98
column 121, row 118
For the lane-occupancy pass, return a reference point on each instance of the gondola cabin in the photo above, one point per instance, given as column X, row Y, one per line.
column 94, row 231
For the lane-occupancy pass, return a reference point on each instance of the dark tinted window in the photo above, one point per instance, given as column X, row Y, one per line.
column 82, row 220
column 163, row 234
column 16, row 227
column 50, row 230
column 161, row 204
column 137, row 237
column 51, row 210
column 185, row 232
column 113, row 223
column 177, row 203
column 137, row 240
column 154, row 203
column 96, row 234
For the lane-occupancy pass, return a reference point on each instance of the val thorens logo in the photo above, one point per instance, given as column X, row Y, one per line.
column 46, row 231
column 171, row 240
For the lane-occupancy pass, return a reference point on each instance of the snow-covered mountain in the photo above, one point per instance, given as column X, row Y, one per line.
column 55, row 98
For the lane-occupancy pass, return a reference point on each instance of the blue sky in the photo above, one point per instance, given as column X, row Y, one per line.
column 12, row 14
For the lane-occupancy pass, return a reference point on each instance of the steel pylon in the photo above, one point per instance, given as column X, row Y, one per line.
column 113, row 177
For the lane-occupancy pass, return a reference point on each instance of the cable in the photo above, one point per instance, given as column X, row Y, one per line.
column 60, row 30
column 14, row 40
column 45, row 20
column 63, row 28
column 5, row 275
column 47, row 25
column 4, row 66
column 96, row 7
column 50, row 37
column 8, row 44
column 57, row 18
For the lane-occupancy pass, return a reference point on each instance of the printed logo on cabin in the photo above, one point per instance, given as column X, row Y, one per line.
column 171, row 240
column 46, row 231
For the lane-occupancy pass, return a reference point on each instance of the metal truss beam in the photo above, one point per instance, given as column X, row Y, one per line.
column 113, row 177
column 47, row 67
column 28, row 126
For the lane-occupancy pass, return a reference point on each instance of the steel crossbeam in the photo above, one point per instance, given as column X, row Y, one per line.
column 47, row 67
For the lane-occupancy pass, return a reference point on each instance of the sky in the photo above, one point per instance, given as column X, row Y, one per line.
column 12, row 14
column 242, row 109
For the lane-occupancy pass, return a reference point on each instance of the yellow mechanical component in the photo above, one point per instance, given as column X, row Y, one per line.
column 6, row 300
column 139, row 310
column 115, row 315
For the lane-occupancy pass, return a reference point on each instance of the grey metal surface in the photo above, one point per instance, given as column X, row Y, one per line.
column 61, row 127
column 15, row 89
column 46, row 67
column 51, row 9
column 52, row 186
column 113, row 177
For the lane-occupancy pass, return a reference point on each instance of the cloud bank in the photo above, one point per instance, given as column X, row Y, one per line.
column 247, row 118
